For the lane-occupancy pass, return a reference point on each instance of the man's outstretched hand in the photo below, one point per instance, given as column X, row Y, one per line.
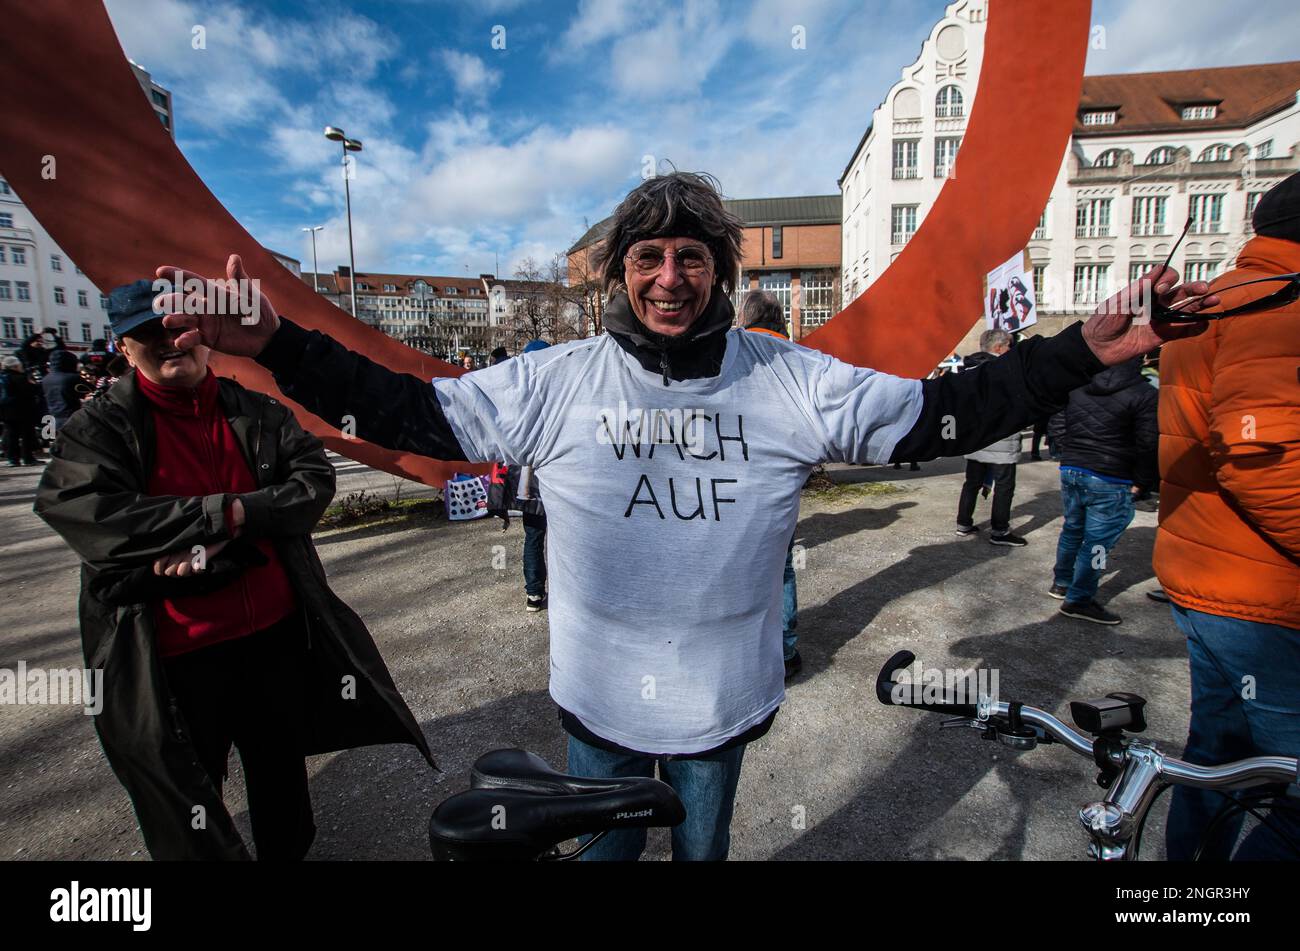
column 1113, row 336
column 214, row 311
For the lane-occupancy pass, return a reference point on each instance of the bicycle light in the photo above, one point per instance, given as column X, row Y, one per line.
column 1115, row 711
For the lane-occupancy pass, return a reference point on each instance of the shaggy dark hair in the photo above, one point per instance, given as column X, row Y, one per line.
column 677, row 205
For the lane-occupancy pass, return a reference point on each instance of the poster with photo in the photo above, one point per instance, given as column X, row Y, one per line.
column 1009, row 295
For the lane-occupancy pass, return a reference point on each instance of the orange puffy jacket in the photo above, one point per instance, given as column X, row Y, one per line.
column 1229, row 536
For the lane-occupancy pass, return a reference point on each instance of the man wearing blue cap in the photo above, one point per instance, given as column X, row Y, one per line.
column 190, row 501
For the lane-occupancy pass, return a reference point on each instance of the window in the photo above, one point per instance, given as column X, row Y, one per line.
column 904, row 223
column 476, row 291
column 19, row 255
column 1201, row 270
column 56, row 262
column 6, row 220
column 906, row 152
column 85, row 333
column 449, row 290
column 1099, row 117
column 63, row 329
column 1252, row 199
column 778, row 241
column 158, row 98
column 1149, row 215
column 1092, row 218
column 3, row 258
column 103, row 302
column 26, row 327
column 9, row 328
column 1090, row 283
column 1161, row 156
column 391, row 288
column 1207, row 214
column 1040, row 270
column 6, row 291
column 4, row 188
column 1107, row 159
column 1137, row 268
column 1199, row 112
column 949, row 104
column 945, row 157
column 23, row 290
column 82, row 301
column 816, row 302
column 1220, row 152
column 78, row 270
column 59, row 297
column 1040, row 233
column 1264, row 149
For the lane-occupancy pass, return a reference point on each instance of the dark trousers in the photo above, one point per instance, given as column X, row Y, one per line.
column 20, row 441
column 250, row 692
column 1004, row 487
column 534, row 559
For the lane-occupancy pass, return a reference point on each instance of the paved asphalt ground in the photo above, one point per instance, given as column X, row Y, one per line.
column 883, row 573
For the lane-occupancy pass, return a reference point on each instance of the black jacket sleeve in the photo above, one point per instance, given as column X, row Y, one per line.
column 964, row 412
column 1146, row 428
column 89, row 495
column 301, row 491
column 394, row 410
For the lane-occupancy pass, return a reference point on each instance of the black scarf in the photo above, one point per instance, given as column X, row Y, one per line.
column 695, row 354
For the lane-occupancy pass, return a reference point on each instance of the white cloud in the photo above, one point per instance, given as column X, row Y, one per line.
column 1141, row 36
column 473, row 79
column 600, row 20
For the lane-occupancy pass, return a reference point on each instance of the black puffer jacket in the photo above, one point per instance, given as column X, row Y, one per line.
column 1110, row 426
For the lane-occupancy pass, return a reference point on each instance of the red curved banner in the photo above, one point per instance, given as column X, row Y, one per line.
column 1019, row 128
column 87, row 154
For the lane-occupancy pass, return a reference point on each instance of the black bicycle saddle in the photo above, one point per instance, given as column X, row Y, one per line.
column 519, row 809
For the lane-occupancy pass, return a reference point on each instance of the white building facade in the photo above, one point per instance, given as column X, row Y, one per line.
column 1148, row 151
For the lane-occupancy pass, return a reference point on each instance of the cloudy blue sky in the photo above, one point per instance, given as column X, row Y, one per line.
column 473, row 151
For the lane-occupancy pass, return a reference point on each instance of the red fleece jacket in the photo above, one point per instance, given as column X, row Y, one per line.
column 196, row 453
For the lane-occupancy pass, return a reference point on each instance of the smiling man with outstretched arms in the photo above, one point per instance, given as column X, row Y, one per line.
column 671, row 452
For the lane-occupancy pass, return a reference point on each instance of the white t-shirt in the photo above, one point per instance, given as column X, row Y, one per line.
column 665, row 552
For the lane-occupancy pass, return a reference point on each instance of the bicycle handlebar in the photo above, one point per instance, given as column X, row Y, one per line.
column 1253, row 771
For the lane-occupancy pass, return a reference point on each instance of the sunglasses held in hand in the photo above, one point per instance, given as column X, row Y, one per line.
column 1280, row 290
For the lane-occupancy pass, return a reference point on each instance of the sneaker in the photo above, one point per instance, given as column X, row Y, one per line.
column 1089, row 611
column 1057, row 591
column 965, row 530
column 536, row 603
column 793, row 665
column 1006, row 538
column 1158, row 595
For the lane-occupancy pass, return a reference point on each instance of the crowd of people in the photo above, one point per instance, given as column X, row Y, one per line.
column 41, row 384
column 177, row 488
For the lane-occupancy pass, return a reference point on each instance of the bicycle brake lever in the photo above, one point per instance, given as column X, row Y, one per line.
column 969, row 722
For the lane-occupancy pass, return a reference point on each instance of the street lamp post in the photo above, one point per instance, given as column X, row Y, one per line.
column 335, row 134
column 315, row 271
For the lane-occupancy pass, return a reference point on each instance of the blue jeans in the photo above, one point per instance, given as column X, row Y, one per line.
column 789, row 607
column 1096, row 514
column 706, row 787
column 534, row 560
column 1225, row 726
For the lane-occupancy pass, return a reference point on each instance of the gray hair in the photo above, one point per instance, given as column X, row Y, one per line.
column 761, row 309
column 677, row 205
column 994, row 338
column 11, row 363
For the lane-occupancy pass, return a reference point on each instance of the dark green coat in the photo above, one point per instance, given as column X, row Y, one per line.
column 93, row 493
